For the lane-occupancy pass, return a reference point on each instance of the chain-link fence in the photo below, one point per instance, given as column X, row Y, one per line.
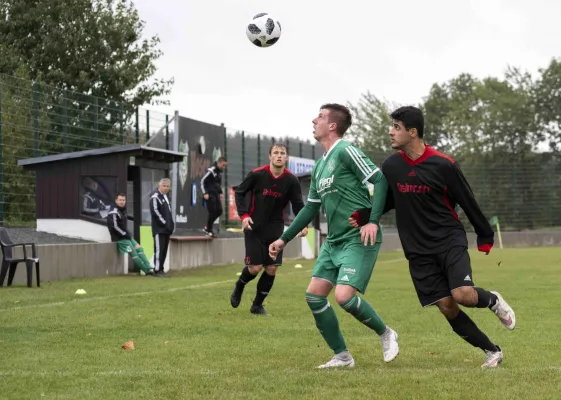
column 523, row 194
column 39, row 120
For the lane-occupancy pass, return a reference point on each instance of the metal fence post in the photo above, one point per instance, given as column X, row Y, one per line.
column 147, row 125
column 136, row 125
column 227, row 194
column 167, row 132
column 259, row 150
column 243, row 154
column 121, row 124
column 65, row 126
column 300, row 146
column 35, row 121
column 96, row 118
column 1, row 165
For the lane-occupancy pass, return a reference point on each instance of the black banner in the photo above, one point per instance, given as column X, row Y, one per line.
column 203, row 143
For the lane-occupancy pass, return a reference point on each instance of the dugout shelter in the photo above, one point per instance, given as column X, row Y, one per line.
column 74, row 191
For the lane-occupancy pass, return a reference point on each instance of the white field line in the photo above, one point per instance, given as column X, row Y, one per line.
column 382, row 370
column 132, row 294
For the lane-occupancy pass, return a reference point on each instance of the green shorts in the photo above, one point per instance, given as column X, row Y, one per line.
column 349, row 263
column 126, row 245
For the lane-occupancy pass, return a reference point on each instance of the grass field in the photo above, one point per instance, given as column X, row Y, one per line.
column 190, row 344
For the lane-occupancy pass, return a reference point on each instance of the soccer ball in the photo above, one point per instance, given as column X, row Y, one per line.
column 263, row 30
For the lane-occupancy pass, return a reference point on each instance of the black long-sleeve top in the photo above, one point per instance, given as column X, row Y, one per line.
column 264, row 197
column 424, row 193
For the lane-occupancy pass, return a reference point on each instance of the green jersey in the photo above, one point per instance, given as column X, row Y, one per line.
column 339, row 183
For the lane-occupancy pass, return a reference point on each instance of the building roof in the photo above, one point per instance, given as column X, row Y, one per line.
column 136, row 150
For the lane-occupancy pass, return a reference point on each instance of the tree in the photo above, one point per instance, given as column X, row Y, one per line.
column 93, row 63
column 492, row 127
column 371, row 125
column 548, row 103
column 19, row 138
column 453, row 115
column 93, row 47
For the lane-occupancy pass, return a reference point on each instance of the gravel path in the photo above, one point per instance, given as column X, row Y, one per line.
column 28, row 235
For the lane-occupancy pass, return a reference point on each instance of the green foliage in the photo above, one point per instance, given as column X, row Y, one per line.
column 93, row 47
column 494, row 127
column 371, row 123
column 72, row 74
column 18, row 111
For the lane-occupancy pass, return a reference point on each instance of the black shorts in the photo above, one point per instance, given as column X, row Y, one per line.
column 435, row 276
column 257, row 250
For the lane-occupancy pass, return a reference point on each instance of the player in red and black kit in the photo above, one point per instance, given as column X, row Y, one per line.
column 424, row 187
column 261, row 199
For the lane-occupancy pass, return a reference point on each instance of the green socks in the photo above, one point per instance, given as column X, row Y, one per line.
column 361, row 310
column 140, row 260
column 144, row 259
column 326, row 322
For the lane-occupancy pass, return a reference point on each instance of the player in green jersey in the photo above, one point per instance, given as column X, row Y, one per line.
column 347, row 259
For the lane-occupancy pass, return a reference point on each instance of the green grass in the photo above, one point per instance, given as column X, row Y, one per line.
column 190, row 344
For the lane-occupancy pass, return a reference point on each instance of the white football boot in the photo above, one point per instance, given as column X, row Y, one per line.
column 343, row 359
column 389, row 344
column 504, row 312
column 493, row 359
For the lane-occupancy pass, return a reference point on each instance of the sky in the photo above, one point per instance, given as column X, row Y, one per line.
column 334, row 51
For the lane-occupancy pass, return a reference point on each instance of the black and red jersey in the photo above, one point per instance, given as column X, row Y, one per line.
column 264, row 198
column 425, row 193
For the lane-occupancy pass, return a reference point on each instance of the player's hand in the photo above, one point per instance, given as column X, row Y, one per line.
column 205, row 196
column 368, row 233
column 360, row 217
column 275, row 248
column 484, row 245
column 245, row 223
column 303, row 232
column 485, row 248
column 137, row 246
column 221, row 197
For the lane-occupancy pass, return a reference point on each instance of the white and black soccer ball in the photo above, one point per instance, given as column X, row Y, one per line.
column 263, row 30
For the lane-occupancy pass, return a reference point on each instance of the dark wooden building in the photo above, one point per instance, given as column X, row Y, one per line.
column 82, row 185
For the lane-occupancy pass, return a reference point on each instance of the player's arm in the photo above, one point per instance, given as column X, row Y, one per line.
column 243, row 188
column 306, row 214
column 362, row 216
column 390, row 202
column 462, row 193
column 365, row 170
column 295, row 197
column 205, row 179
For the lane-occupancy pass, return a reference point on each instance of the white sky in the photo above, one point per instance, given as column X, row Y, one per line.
column 332, row 51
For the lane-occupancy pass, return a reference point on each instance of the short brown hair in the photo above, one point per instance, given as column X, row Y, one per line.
column 277, row 144
column 221, row 159
column 340, row 115
column 120, row 195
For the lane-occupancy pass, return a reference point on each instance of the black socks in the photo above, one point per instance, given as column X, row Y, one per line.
column 467, row 330
column 263, row 288
column 485, row 299
column 245, row 278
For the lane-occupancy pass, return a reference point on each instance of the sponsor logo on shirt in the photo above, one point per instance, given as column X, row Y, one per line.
column 408, row 188
column 271, row 193
column 325, row 183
